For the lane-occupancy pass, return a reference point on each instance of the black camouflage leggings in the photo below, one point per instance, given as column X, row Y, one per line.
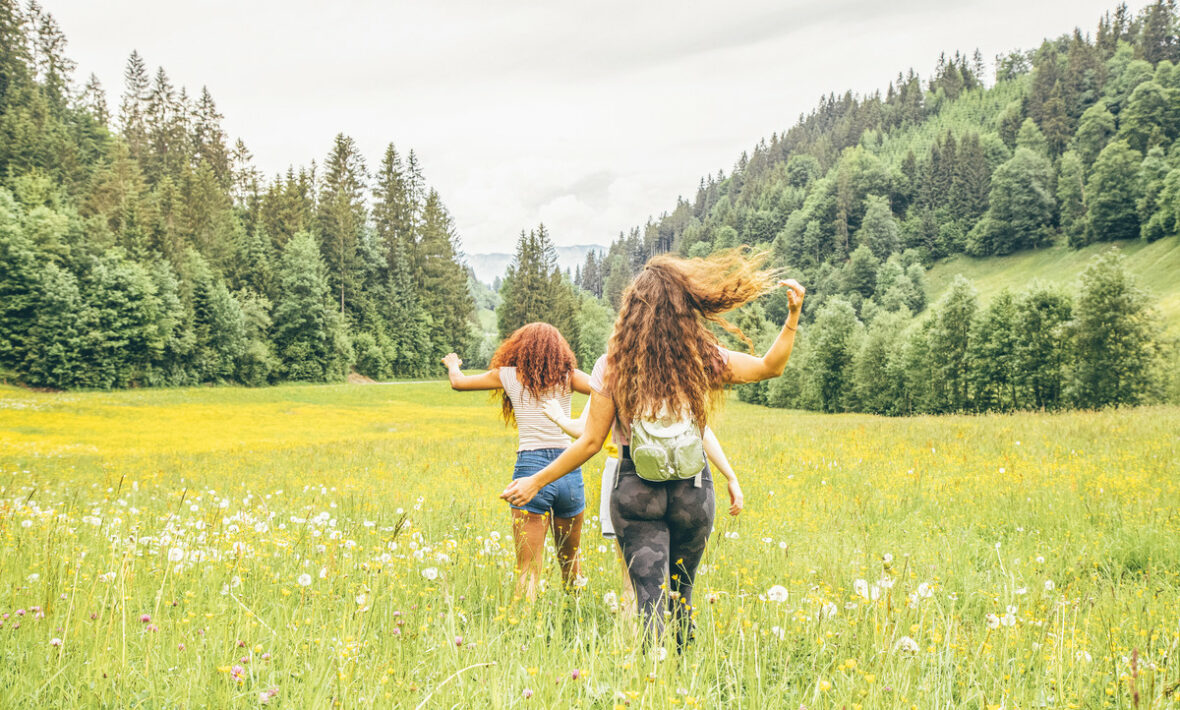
column 663, row 528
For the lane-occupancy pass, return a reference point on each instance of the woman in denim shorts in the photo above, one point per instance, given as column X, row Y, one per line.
column 534, row 364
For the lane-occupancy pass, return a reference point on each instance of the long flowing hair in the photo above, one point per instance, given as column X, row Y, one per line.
column 543, row 360
column 662, row 354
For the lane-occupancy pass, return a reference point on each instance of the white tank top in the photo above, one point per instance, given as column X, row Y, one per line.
column 536, row 431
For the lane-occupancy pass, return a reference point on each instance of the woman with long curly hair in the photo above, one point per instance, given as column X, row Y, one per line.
column 664, row 366
column 536, row 363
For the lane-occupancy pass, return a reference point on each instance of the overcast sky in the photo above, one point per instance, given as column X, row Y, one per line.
column 586, row 116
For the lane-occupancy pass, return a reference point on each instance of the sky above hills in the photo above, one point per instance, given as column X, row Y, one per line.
column 588, row 116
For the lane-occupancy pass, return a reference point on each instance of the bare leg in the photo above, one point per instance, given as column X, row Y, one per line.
column 567, row 538
column 528, row 530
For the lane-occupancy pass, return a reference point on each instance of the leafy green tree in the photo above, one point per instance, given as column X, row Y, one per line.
column 993, row 368
column 309, row 333
column 879, row 230
column 595, row 321
column 1152, row 173
column 835, row 340
column 859, row 275
column 950, row 347
column 1021, row 207
column 1114, row 330
column 1150, row 117
column 878, row 365
column 1095, row 130
column 1042, row 345
column 1113, row 191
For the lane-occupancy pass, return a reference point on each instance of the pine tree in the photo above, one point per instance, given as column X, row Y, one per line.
column 341, row 217
column 133, row 108
column 441, row 279
column 309, row 333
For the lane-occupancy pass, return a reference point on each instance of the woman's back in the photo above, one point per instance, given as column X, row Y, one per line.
column 536, row 431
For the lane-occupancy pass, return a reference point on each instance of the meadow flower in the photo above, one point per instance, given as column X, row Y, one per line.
column 611, row 600
column 778, row 632
column 304, row 579
column 866, row 592
column 1083, row 656
column 1050, row 585
column 56, row 642
column 828, row 610
column 430, row 573
column 238, row 673
column 176, row 554
column 993, row 621
column 526, row 693
column 905, row 644
column 777, row 593
column 145, row 618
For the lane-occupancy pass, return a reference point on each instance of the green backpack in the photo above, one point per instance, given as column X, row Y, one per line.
column 667, row 451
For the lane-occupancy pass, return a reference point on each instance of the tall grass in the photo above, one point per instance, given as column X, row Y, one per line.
column 343, row 546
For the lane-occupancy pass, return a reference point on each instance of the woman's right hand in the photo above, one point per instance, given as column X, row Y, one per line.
column 736, row 500
column 795, row 293
column 452, row 361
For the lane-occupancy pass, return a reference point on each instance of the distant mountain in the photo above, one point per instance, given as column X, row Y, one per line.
column 488, row 266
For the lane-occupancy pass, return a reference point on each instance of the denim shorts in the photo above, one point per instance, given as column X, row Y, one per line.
column 564, row 498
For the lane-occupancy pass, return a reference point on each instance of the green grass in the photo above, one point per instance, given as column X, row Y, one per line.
column 366, row 489
column 1155, row 265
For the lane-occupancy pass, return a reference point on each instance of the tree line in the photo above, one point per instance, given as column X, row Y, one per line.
column 1043, row 348
column 144, row 248
column 1074, row 143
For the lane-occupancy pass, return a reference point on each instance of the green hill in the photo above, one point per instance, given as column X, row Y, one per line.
column 1156, row 265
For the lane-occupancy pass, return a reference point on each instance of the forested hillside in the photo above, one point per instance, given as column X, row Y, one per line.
column 141, row 247
column 1069, row 145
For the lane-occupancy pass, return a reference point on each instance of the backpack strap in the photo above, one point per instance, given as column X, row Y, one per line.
column 696, row 480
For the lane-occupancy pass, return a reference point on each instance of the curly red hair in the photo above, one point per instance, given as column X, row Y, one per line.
column 661, row 353
column 543, row 359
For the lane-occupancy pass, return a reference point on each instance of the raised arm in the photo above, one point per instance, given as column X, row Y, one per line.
column 749, row 368
column 489, row 380
column 602, row 414
column 717, row 457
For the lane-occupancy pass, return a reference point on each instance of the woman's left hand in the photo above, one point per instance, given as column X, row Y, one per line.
column 521, row 491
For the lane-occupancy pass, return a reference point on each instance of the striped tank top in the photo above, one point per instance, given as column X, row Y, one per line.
column 535, row 429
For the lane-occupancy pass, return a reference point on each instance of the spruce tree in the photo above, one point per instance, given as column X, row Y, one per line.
column 341, row 217
column 309, row 333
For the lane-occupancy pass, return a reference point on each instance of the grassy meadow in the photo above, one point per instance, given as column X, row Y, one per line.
column 320, row 546
column 1153, row 265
